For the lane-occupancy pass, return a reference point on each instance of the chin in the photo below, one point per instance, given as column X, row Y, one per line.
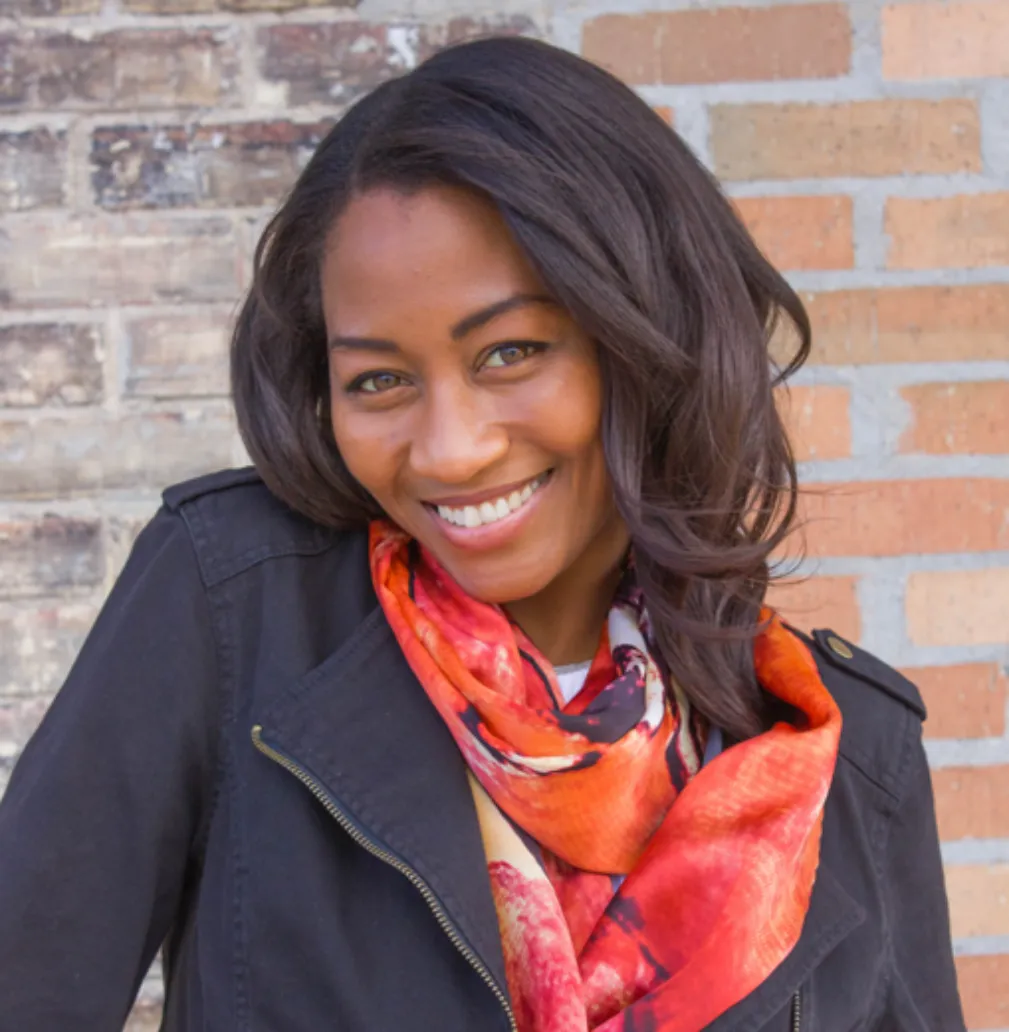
column 498, row 583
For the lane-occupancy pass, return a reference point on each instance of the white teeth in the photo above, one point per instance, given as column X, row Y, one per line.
column 490, row 512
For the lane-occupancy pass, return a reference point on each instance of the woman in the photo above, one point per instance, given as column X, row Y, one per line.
column 469, row 714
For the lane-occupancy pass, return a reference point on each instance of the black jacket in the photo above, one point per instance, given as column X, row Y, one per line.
column 242, row 766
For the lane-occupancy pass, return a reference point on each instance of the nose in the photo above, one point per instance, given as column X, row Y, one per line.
column 457, row 438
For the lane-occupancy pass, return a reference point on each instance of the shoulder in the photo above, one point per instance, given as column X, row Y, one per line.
column 881, row 710
column 235, row 523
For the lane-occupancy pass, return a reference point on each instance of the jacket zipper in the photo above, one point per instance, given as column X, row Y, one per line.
column 393, row 861
column 797, row 1011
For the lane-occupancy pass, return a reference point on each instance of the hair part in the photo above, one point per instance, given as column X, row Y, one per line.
column 635, row 238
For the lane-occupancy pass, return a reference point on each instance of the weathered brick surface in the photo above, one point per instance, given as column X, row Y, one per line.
column 897, row 517
column 964, row 700
column 801, row 41
column 982, row 981
column 972, row 802
column 49, row 555
column 801, row 232
column 910, row 324
column 178, row 355
column 959, row 607
column 867, row 138
column 818, row 421
column 126, row 260
column 38, row 643
column 32, row 169
column 41, row 8
column 153, row 68
column 335, row 62
column 145, row 144
column 245, row 163
column 957, row 418
column 51, row 456
column 50, row 364
column 935, row 40
column 173, row 7
column 967, row 231
column 820, row 602
column 978, row 899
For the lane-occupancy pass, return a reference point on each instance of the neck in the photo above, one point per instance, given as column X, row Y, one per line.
column 565, row 619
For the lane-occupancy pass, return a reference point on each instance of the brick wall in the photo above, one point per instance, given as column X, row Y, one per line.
column 142, row 142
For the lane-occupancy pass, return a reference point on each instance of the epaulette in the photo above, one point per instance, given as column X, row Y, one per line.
column 851, row 659
column 179, row 494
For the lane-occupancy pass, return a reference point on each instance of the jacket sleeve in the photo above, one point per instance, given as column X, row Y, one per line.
column 922, row 991
column 105, row 806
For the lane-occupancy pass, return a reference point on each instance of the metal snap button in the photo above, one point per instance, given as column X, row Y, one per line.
column 840, row 647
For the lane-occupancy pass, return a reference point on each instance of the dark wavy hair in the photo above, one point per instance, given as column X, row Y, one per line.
column 634, row 237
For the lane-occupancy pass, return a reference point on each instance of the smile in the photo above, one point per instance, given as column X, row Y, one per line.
column 492, row 510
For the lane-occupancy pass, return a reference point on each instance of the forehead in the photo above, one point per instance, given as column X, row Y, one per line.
column 440, row 251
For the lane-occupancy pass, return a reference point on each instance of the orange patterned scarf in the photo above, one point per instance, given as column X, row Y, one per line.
column 633, row 889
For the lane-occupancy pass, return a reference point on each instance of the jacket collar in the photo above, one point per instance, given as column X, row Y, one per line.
column 361, row 726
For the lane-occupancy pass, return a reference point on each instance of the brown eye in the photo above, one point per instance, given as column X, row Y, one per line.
column 375, row 383
column 509, row 354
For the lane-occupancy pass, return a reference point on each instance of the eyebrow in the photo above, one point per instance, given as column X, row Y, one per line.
column 463, row 327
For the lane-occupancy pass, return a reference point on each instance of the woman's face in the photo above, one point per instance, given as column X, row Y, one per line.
column 463, row 399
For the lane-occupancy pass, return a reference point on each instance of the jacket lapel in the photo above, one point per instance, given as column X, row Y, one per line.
column 361, row 726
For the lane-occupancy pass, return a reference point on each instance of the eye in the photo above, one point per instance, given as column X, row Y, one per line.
column 511, row 354
column 374, row 383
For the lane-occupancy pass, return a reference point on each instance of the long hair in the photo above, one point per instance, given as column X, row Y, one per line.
column 635, row 238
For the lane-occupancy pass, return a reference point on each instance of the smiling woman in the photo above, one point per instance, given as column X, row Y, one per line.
column 463, row 709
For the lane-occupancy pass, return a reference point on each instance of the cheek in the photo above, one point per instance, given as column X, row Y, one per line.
column 369, row 457
column 569, row 415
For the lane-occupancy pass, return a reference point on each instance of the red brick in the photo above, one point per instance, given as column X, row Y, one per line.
column 983, row 981
column 337, row 61
column 50, row 364
column 178, row 355
column 865, row 138
column 978, row 899
column 33, row 166
column 144, row 68
column 47, row 457
column 910, row 324
column 820, row 602
column 959, row 607
column 818, row 421
column 957, row 418
column 244, row 163
column 965, row 700
column 950, row 40
column 905, row 517
column 801, row 232
column 120, row 259
column 972, row 802
column 967, row 231
column 38, row 644
column 49, row 555
column 729, row 44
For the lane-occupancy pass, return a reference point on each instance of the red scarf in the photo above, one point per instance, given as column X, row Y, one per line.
column 633, row 889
